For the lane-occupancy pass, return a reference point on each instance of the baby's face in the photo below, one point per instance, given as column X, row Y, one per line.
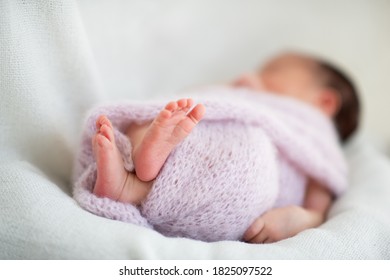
column 288, row 74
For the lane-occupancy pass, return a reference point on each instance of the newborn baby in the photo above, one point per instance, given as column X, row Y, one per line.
column 296, row 76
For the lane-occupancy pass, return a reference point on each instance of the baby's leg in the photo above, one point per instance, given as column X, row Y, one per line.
column 113, row 180
column 152, row 143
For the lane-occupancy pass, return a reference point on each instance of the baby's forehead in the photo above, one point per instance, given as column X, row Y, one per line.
column 292, row 58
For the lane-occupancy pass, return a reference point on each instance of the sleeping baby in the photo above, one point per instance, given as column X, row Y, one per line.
column 258, row 160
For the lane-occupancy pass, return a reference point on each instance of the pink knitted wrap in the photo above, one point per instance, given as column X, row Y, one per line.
column 251, row 152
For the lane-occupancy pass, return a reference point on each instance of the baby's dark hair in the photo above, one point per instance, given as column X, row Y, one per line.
column 347, row 118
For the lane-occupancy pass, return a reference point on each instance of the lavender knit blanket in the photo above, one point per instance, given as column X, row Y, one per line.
column 251, row 152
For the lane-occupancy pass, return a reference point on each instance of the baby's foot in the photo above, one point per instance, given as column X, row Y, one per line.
column 167, row 130
column 113, row 180
column 111, row 174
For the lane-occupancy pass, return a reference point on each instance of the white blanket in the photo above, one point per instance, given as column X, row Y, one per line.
column 47, row 82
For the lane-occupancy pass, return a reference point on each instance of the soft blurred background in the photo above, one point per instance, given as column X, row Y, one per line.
column 145, row 48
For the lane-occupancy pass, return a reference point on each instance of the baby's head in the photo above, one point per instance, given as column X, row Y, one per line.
column 313, row 81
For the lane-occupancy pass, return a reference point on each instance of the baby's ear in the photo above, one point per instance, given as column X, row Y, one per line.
column 330, row 101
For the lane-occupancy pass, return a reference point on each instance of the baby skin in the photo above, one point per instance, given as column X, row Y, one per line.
column 152, row 143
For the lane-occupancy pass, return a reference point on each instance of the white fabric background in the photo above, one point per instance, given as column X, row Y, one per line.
column 57, row 58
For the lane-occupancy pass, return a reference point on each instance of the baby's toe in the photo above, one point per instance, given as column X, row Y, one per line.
column 103, row 120
column 190, row 103
column 171, row 106
column 182, row 103
column 164, row 115
column 102, row 142
column 107, row 132
column 197, row 113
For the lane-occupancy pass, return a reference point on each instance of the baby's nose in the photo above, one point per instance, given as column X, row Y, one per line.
column 248, row 80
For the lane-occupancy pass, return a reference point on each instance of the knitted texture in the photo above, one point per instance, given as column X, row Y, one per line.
column 251, row 152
